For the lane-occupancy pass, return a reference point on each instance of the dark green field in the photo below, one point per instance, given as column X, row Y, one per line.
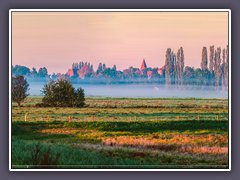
column 122, row 133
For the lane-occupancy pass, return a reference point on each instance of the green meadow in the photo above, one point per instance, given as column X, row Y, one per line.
column 122, row 133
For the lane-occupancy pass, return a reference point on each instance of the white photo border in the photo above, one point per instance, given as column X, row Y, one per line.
column 120, row 10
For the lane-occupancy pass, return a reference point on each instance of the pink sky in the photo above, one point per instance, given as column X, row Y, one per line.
column 57, row 39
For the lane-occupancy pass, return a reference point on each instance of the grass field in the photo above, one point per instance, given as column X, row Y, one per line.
column 122, row 133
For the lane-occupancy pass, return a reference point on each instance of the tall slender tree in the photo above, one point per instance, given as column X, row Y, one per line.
column 226, row 67
column 223, row 66
column 168, row 66
column 204, row 62
column 180, row 65
column 217, row 68
column 211, row 59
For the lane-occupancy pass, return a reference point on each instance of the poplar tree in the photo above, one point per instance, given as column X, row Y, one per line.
column 226, row 67
column 217, row 68
column 211, row 59
column 204, row 61
column 180, row 65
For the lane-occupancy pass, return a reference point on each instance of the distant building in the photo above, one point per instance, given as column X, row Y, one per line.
column 144, row 65
column 80, row 70
column 86, row 69
column 70, row 72
column 149, row 74
column 161, row 70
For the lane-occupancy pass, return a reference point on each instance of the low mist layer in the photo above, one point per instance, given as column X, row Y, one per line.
column 142, row 90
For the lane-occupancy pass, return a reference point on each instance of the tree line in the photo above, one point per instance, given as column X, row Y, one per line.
column 19, row 70
column 213, row 70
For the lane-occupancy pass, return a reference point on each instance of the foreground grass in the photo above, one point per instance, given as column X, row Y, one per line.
column 90, row 156
column 123, row 133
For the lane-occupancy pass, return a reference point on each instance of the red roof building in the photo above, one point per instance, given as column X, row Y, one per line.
column 144, row 65
column 160, row 70
column 83, row 71
column 149, row 74
column 70, row 72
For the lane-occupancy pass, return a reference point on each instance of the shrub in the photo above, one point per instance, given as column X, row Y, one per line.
column 79, row 97
column 61, row 93
column 19, row 89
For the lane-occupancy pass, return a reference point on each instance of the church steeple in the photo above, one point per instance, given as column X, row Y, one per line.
column 144, row 65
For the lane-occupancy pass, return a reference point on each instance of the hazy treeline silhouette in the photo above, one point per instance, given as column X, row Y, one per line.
column 213, row 73
column 214, row 65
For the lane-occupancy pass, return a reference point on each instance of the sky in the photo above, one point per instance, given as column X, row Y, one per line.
column 57, row 39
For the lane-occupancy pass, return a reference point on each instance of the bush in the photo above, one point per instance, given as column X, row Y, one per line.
column 79, row 97
column 19, row 89
column 61, row 93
